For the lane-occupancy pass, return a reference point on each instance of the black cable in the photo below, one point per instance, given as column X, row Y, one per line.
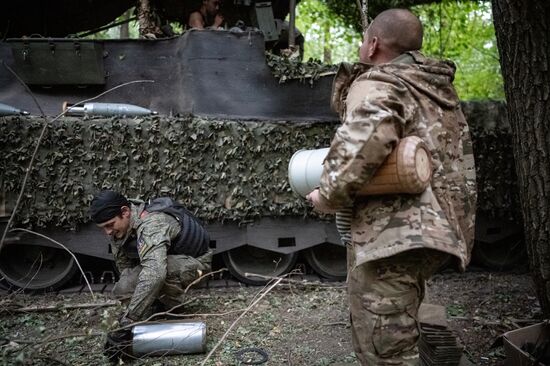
column 241, row 356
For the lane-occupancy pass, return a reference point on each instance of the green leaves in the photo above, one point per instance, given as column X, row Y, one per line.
column 329, row 38
column 458, row 30
column 464, row 33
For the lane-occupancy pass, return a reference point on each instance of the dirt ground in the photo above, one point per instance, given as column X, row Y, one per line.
column 295, row 324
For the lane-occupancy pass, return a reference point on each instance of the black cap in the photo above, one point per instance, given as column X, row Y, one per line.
column 106, row 205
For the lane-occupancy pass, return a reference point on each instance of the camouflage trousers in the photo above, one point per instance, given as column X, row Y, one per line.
column 181, row 271
column 384, row 299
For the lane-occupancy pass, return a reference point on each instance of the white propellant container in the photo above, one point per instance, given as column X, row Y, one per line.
column 305, row 169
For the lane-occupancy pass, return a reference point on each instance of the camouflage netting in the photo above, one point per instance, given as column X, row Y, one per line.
column 222, row 170
column 285, row 69
column 498, row 194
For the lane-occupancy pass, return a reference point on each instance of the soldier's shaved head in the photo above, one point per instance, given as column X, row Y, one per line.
column 399, row 29
column 391, row 33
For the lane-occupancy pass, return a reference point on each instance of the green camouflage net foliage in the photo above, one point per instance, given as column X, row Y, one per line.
column 222, row 170
column 286, row 69
column 498, row 193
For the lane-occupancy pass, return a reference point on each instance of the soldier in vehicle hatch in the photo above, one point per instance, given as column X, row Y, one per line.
column 207, row 16
column 397, row 241
column 159, row 249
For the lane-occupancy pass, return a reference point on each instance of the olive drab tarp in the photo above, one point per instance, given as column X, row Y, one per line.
column 209, row 73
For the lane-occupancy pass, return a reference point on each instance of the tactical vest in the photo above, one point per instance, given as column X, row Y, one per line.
column 192, row 240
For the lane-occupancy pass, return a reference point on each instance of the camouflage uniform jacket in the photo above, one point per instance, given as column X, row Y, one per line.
column 412, row 95
column 154, row 233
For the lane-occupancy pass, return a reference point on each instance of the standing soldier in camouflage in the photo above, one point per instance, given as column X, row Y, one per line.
column 398, row 241
column 155, row 253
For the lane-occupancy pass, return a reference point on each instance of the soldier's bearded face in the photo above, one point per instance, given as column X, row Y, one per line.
column 118, row 226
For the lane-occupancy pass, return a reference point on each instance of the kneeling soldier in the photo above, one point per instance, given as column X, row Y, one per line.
column 159, row 249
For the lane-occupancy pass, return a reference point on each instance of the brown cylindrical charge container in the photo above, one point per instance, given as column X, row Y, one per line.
column 408, row 169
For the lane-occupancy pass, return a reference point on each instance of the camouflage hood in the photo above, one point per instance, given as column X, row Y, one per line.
column 428, row 77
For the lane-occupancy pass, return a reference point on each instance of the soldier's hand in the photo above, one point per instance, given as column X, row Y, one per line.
column 318, row 202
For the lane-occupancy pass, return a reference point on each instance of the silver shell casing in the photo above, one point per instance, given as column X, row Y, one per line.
column 169, row 338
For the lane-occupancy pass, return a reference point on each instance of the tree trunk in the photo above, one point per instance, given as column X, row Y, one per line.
column 327, row 44
column 522, row 30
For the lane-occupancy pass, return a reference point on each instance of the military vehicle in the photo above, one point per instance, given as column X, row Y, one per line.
column 220, row 143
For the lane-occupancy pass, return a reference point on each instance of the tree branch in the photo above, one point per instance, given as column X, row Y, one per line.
column 41, row 309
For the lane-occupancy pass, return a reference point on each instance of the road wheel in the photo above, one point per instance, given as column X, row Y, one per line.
column 328, row 260
column 501, row 255
column 247, row 259
column 35, row 267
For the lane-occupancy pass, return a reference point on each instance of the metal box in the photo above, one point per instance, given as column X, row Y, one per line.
column 50, row 61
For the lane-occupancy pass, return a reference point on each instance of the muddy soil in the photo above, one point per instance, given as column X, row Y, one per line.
column 295, row 324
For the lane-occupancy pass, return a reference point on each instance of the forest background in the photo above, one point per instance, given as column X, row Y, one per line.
column 460, row 31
